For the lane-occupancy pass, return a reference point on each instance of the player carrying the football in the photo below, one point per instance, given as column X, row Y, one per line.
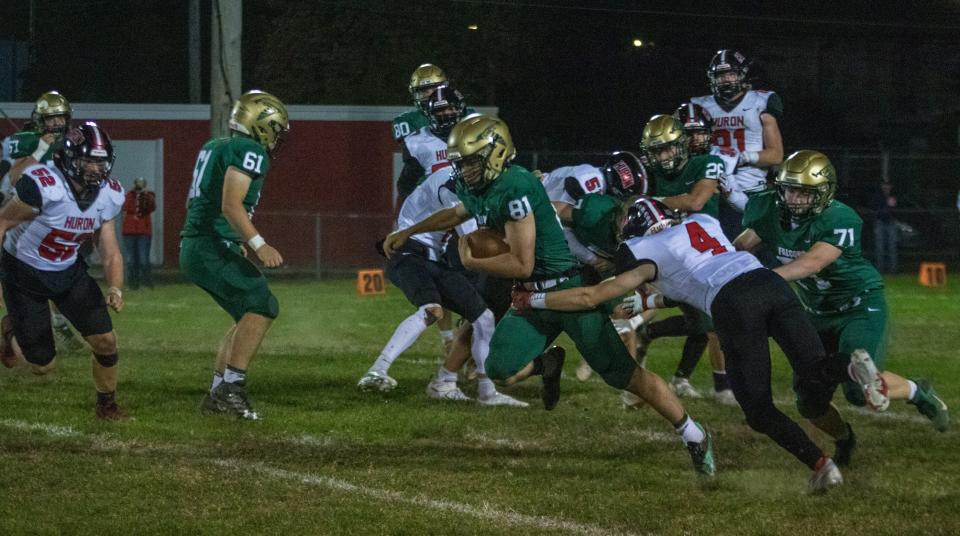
column 227, row 182
column 511, row 200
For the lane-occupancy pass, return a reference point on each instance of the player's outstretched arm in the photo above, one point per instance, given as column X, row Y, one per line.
column 694, row 201
column 440, row 220
column 235, row 187
column 517, row 263
column 109, row 250
column 586, row 298
column 810, row 263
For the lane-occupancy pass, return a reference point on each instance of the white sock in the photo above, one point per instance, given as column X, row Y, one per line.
column 483, row 328
column 217, row 380
column 690, row 431
column 58, row 320
column 234, row 375
column 913, row 389
column 444, row 375
column 403, row 337
column 485, row 387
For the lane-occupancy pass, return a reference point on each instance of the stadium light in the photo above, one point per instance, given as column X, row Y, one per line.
column 473, row 27
column 638, row 43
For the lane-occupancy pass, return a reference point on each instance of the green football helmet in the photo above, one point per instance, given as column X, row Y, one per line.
column 806, row 183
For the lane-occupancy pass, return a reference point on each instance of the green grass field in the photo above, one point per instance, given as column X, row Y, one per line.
column 327, row 459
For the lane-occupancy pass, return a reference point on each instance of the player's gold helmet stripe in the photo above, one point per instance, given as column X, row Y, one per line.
column 661, row 129
column 261, row 116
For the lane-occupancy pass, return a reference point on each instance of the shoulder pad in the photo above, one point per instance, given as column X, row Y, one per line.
column 52, row 186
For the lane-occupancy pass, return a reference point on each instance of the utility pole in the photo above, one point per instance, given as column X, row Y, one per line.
column 193, row 50
column 225, row 29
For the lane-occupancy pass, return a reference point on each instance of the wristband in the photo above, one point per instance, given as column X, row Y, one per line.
column 750, row 157
column 650, row 301
column 42, row 147
column 538, row 300
column 256, row 242
column 115, row 290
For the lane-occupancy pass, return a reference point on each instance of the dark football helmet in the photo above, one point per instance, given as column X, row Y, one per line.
column 625, row 175
column 445, row 108
column 86, row 156
column 724, row 86
column 647, row 216
column 697, row 124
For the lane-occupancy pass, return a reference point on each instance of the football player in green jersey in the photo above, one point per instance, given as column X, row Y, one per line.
column 423, row 82
column 512, row 200
column 227, row 182
column 689, row 184
column 818, row 240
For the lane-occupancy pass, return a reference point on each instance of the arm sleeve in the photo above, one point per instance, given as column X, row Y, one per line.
column 774, row 107
column 410, row 175
column 29, row 192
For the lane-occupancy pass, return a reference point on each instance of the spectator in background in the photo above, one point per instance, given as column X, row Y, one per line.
column 137, row 230
column 884, row 204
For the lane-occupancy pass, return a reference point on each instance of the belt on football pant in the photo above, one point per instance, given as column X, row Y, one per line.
column 414, row 247
column 545, row 284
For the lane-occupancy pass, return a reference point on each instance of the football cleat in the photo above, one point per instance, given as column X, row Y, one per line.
column 7, row 355
column 825, row 477
column 376, row 381
column 233, row 399
column 725, row 397
column 863, row 371
column 211, row 405
column 110, row 411
column 930, row 405
column 500, row 399
column 439, row 390
column 682, row 387
column 631, row 401
column 845, row 448
column 701, row 454
column 584, row 371
column 552, row 361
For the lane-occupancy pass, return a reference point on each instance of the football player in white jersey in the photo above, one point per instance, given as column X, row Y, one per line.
column 690, row 260
column 56, row 210
column 744, row 119
column 420, row 270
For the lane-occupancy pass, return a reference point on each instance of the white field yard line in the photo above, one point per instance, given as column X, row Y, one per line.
column 506, row 518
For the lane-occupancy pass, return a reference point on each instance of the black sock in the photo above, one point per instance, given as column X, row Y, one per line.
column 537, row 366
column 674, row 326
column 693, row 349
column 720, row 382
column 104, row 399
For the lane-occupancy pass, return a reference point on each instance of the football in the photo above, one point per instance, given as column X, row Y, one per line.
column 485, row 243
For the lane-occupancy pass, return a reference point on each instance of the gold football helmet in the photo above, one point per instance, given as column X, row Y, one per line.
column 664, row 143
column 51, row 104
column 480, row 148
column 806, row 183
column 261, row 116
column 422, row 83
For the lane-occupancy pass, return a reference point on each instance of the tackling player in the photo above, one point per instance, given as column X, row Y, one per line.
column 817, row 238
column 57, row 209
column 419, row 269
column 512, row 200
column 691, row 261
column 689, row 184
column 228, row 179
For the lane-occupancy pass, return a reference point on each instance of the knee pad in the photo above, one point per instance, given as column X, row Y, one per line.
column 107, row 361
column 813, row 400
column 428, row 318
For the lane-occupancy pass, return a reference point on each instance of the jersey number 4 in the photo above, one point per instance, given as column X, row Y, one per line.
column 701, row 241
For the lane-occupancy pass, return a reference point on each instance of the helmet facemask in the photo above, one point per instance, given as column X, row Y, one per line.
column 726, row 87
column 669, row 157
column 475, row 171
column 445, row 109
column 803, row 201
